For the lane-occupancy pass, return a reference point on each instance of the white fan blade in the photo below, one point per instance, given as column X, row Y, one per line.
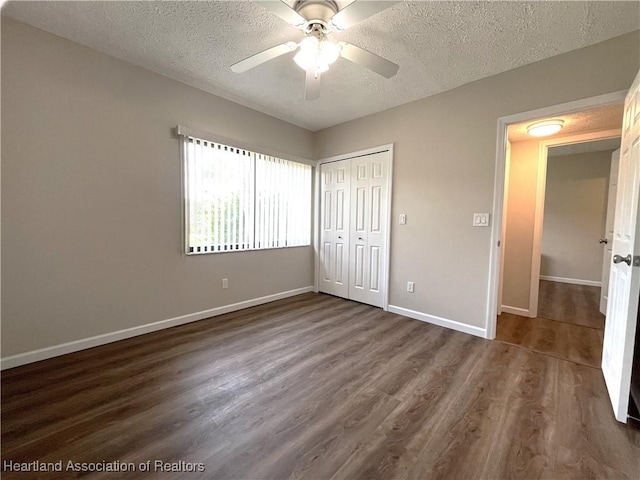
column 312, row 85
column 356, row 12
column 367, row 59
column 264, row 56
column 284, row 11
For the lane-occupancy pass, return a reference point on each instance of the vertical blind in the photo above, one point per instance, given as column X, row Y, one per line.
column 236, row 199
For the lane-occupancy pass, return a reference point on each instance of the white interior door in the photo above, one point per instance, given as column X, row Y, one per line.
column 607, row 254
column 334, row 228
column 368, row 228
column 624, row 280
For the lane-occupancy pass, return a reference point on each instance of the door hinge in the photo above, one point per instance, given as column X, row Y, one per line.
column 636, row 261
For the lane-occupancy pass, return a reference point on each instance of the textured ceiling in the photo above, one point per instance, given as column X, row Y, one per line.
column 593, row 120
column 438, row 45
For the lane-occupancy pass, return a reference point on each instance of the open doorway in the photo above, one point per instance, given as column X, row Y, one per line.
column 577, row 232
column 624, row 285
column 556, row 196
column 573, row 183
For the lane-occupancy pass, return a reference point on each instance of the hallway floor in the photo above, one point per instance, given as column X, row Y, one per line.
column 569, row 325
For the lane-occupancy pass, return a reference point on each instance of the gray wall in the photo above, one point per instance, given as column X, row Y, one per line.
column 575, row 211
column 91, row 221
column 91, row 191
column 444, row 165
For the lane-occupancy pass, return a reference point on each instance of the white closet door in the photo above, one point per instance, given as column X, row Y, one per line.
column 368, row 219
column 334, row 228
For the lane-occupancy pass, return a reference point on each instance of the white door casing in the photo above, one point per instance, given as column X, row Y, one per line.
column 624, row 280
column 503, row 234
column 334, row 228
column 607, row 253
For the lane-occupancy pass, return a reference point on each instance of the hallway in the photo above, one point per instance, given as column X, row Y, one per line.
column 569, row 325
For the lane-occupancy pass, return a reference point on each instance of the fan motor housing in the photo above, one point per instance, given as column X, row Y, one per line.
column 314, row 10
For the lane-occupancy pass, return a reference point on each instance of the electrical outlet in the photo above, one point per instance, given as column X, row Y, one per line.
column 403, row 219
column 225, row 283
column 410, row 287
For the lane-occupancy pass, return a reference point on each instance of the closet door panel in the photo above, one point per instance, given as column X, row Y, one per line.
column 334, row 234
column 370, row 218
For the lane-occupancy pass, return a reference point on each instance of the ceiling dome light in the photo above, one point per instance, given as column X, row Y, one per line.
column 545, row 128
column 317, row 54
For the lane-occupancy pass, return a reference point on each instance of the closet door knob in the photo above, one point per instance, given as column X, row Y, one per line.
column 603, row 240
column 619, row 259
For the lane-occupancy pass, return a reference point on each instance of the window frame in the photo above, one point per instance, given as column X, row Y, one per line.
column 185, row 133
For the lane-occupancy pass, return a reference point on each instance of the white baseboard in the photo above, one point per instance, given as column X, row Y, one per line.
column 523, row 312
column 442, row 322
column 76, row 345
column 573, row 281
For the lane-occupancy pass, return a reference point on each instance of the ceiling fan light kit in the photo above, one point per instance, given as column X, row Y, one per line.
column 317, row 19
column 316, row 54
column 316, row 10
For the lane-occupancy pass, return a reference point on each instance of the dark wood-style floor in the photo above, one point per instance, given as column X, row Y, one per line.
column 574, row 304
column 317, row 387
column 569, row 325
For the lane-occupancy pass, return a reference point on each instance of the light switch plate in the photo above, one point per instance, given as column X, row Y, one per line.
column 481, row 219
column 403, row 219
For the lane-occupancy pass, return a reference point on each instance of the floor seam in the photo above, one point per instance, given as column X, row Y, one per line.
column 548, row 355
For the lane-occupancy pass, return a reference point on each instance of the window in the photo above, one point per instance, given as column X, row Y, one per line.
column 236, row 199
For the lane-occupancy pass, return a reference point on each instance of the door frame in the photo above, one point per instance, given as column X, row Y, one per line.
column 316, row 214
column 503, row 231
column 495, row 255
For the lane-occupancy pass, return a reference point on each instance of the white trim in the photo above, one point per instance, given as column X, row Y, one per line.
column 498, row 191
column 538, row 221
column 360, row 153
column 523, row 312
column 497, row 242
column 316, row 228
column 385, row 297
column 503, row 231
column 316, row 240
column 573, row 281
column 441, row 322
column 183, row 131
column 184, row 204
column 77, row 345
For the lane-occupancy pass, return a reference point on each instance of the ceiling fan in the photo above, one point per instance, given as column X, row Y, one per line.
column 317, row 19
